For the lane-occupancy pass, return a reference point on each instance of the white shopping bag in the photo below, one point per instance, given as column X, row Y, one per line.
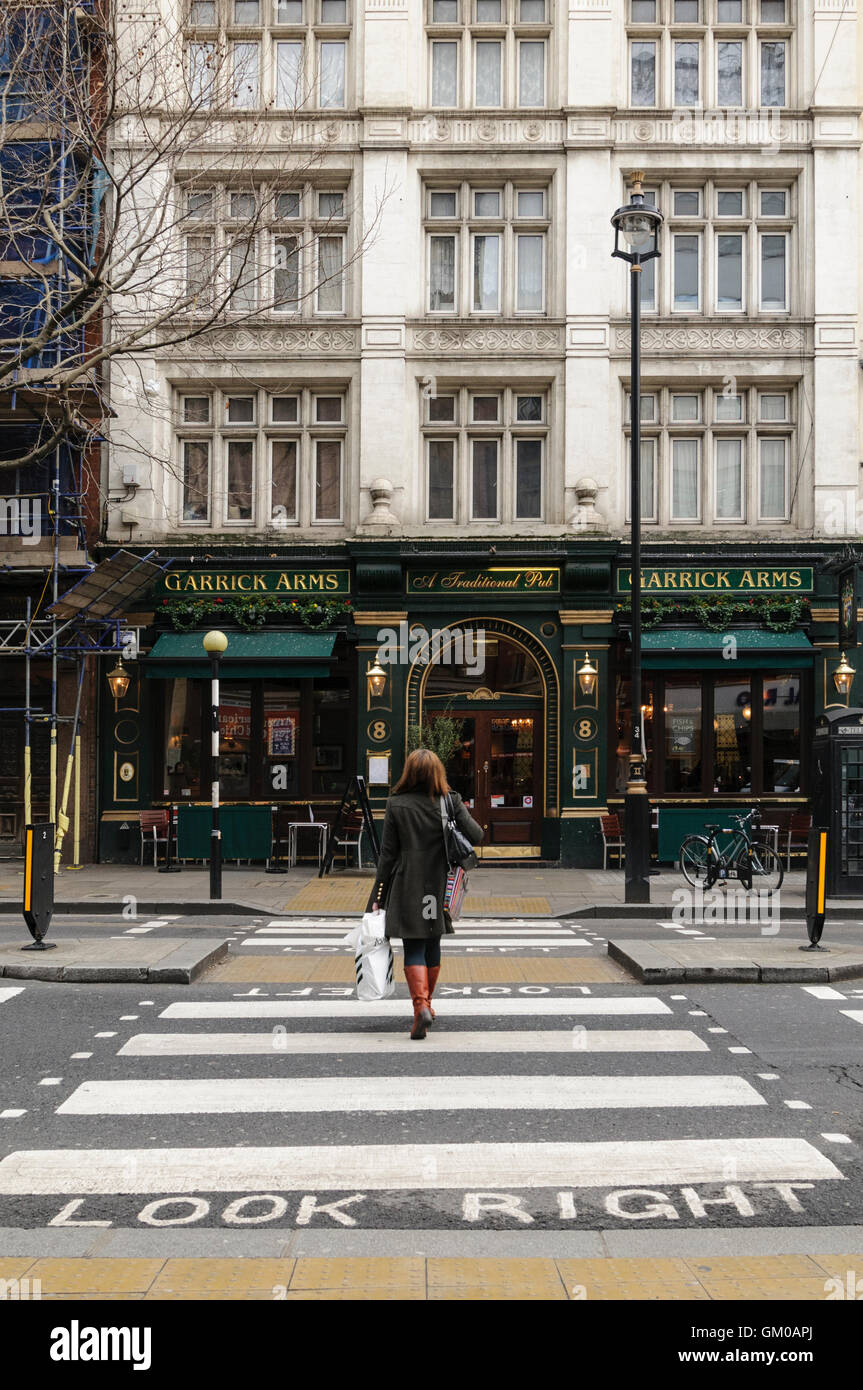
column 373, row 961
column 371, row 928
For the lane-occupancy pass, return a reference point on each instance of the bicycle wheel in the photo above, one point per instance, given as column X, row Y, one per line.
column 695, row 859
column 767, row 868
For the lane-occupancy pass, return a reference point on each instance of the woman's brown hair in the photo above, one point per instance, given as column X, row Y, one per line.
column 424, row 772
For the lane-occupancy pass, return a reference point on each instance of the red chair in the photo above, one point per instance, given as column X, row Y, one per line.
column 612, row 839
column 798, row 836
column 151, row 824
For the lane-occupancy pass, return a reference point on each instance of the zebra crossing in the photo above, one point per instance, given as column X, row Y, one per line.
column 555, row 1111
column 471, row 933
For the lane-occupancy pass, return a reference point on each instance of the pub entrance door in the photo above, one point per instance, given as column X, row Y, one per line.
column 498, row 772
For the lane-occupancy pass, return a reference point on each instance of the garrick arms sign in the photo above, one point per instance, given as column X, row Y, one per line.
column 201, row 582
column 765, row 580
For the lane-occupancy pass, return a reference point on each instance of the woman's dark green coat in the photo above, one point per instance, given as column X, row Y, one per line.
column 412, row 870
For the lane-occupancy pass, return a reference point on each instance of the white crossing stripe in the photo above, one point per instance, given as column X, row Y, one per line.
column 856, row 1014
column 382, row 1167
column 353, row 1011
column 459, row 941
column 316, row 1094
column 551, row 1040
column 10, row 993
column 823, row 992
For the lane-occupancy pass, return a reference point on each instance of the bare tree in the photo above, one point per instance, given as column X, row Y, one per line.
column 132, row 210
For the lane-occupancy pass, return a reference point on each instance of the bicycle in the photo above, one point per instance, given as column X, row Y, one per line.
column 704, row 864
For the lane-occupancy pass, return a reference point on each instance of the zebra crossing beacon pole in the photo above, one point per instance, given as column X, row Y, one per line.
column 639, row 226
column 215, row 644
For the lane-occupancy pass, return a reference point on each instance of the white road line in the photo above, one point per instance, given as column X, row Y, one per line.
column 12, row 1114
column 402, row 1094
column 467, row 925
column 822, row 992
column 837, row 1138
column 10, row 993
column 385, row 1167
column 354, row 1011
column 856, row 1014
column 459, row 941
column 274, row 1044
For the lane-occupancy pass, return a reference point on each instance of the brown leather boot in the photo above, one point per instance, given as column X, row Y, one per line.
column 417, row 977
column 434, row 971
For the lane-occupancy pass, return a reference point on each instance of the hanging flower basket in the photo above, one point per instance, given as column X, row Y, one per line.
column 778, row 613
column 254, row 612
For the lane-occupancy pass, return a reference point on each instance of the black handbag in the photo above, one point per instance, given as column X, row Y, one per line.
column 459, row 850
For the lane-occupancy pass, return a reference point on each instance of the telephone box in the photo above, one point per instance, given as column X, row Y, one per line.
column 837, row 797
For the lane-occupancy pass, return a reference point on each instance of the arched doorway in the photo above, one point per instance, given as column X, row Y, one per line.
column 502, row 692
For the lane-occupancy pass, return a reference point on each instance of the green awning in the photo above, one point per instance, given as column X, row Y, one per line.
column 249, row 654
column 679, row 648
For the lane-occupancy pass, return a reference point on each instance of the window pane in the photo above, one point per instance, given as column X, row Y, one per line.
column 334, row 11
column 684, row 479
column 289, row 75
column 643, row 11
column 683, row 770
column 772, row 488
column 729, row 204
column 773, row 74
column 244, row 277
column 242, row 205
column 442, row 273
column 648, row 284
column 240, row 410
column 196, row 410
column 531, row 11
column 729, row 479
column 330, row 279
column 485, row 409
column 328, row 410
column 331, row 205
column 442, row 204
column 648, row 479
column 488, row 11
column 528, row 478
column 643, row 69
column 202, row 63
column 687, row 202
column 486, row 204
column 202, row 12
column 729, row 407
column 773, row 407
column 487, row 77
column 487, row 264
column 285, row 410
column 445, row 11
column 732, row 735
column 245, row 75
column 328, row 479
column 773, row 272
column 199, row 270
column 444, row 74
column 531, row 73
column 283, row 496
column 729, row 74
column 729, row 11
column 288, row 205
column 528, row 408
column 484, row 491
column 648, row 408
column 199, row 204
column 686, row 272
column 781, row 705
column 246, row 11
column 530, row 278
column 332, row 74
column 240, row 474
column 530, row 203
column 772, row 11
column 773, row 202
column 196, row 480
column 685, row 408
column 441, row 479
column 686, row 11
column 686, row 74
column 729, row 272
column 289, row 11
column 286, row 273
column 442, row 408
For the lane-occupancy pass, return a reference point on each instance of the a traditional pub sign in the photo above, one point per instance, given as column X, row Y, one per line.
column 766, row 579
column 492, row 579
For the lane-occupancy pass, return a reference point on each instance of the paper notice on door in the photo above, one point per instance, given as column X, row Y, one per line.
column 527, row 801
column 498, row 800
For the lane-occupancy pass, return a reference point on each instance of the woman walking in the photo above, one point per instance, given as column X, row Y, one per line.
column 412, row 873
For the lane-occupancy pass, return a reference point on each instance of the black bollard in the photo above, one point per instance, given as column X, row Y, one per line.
column 38, row 884
column 816, row 887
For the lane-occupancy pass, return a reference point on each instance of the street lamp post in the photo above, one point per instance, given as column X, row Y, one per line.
column 639, row 226
column 215, row 644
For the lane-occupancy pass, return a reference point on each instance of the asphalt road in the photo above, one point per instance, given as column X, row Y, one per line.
column 566, row 1107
